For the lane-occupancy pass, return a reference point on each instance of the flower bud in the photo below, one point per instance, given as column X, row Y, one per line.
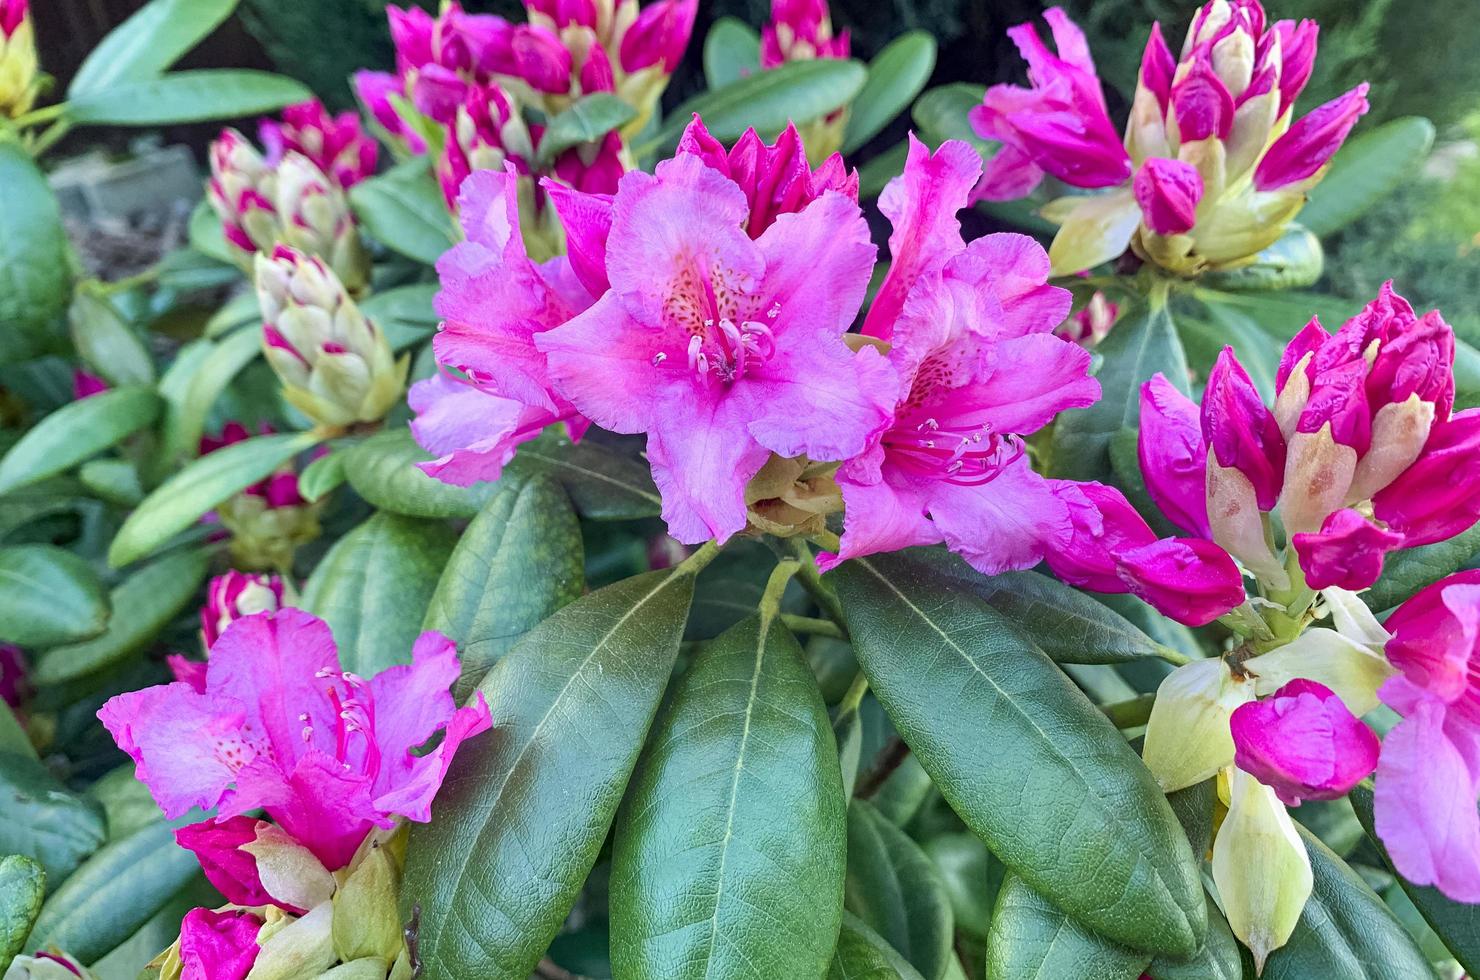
column 1173, row 455
column 487, row 131
column 1261, row 868
column 1303, row 743
column 85, row 384
column 658, row 36
column 1311, row 142
column 242, row 191
column 1105, row 526
column 1292, row 380
column 217, row 845
column 334, row 144
column 316, row 219
column 436, row 93
column 1201, row 103
column 1439, row 495
column 20, row 76
column 1347, row 552
column 15, row 681
column 288, row 871
column 218, row 944
column 1192, row 580
column 1187, row 735
column 533, row 54
column 1297, row 57
column 1168, row 192
column 336, row 367
column 412, row 32
column 232, row 596
column 367, row 919
column 1092, row 323
column 375, row 90
column 46, row 964
column 295, row 948
column 1241, row 432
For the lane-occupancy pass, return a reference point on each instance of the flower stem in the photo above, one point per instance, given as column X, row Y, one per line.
column 695, row 563
column 811, row 580
column 1174, row 657
column 1131, row 713
column 770, row 605
column 853, row 697
column 813, row 626
column 826, row 540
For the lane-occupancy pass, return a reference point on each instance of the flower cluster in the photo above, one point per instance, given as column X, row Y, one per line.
column 802, row 30
column 19, row 75
column 329, row 757
column 1212, row 168
column 295, row 195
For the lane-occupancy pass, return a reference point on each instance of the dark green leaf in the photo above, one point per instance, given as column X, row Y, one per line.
column 405, row 211
column 35, row 261
column 76, row 432
column 108, row 345
column 127, row 803
column 162, row 928
column 1065, row 803
column 893, row 887
column 895, row 77
column 941, row 114
column 43, row 821
column 799, row 91
column 518, row 562
column 862, row 954
column 48, row 596
column 205, row 484
column 1346, row 932
column 903, row 792
column 374, row 585
column 604, row 485
column 382, row 469
column 22, row 886
column 876, row 174
column 1295, row 261
column 848, row 733
column 115, row 480
column 588, row 120
column 732, row 50
column 1194, row 809
column 143, row 603
column 187, row 96
column 1366, row 170
column 1033, row 940
column 404, row 313
column 1407, row 571
column 1282, row 314
column 525, row 809
column 972, row 878
column 150, row 41
column 115, row 892
column 185, row 417
column 1258, row 349
column 1219, row 959
column 1143, row 343
column 728, row 859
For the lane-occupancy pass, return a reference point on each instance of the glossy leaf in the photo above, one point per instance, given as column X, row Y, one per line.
column 382, row 469
column 22, row 885
column 1295, row 261
column 107, row 344
column 971, row 876
column 35, row 260
column 158, row 932
column 48, row 596
column 1367, row 169
column 728, row 858
column 588, row 120
column 732, row 50
column 1219, row 958
column 373, row 587
column 524, row 811
column 404, row 313
column 518, row 562
column 150, row 41
column 1066, row 804
column 894, row 888
column 1406, row 572
column 405, row 211
column 1033, row 940
column 143, row 603
column 320, row 477
column 895, row 77
column 43, row 821
column 185, row 97
column 604, row 485
column 115, row 480
column 76, row 432
column 862, row 954
column 203, row 485
column 185, row 419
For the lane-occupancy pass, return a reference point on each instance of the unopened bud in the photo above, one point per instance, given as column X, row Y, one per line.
column 1303, row 743
column 1187, row 735
column 46, row 964
column 20, row 77
column 1318, row 474
column 295, row 948
column 1237, row 524
column 367, row 919
column 288, row 871
column 316, row 219
column 236, row 594
column 368, row 968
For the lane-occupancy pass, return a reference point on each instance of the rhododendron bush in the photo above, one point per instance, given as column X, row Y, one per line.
column 807, row 528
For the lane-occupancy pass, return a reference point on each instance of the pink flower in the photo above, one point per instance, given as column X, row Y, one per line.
column 236, row 594
column 1201, row 103
column 1312, row 141
column 659, row 35
column 473, row 432
column 1303, row 743
column 1174, row 455
column 1168, row 192
column 1428, row 776
column 979, row 368
column 800, row 30
column 413, row 32
column 335, row 144
column 477, row 140
column 1347, row 552
column 1092, row 323
column 723, row 349
column 85, row 384
column 1060, row 125
column 280, row 727
column 375, row 89
column 187, row 671
column 217, row 845
column 218, row 945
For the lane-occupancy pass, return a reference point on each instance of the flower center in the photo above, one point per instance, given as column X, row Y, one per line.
column 354, row 714
column 970, row 456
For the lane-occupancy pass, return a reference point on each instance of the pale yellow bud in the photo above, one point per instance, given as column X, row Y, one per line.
column 1238, row 526
column 288, row 870
column 1187, row 735
column 367, row 918
column 295, row 948
column 20, row 74
column 1399, row 431
column 1318, row 474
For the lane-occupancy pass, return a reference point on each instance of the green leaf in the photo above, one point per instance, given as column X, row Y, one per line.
column 115, row 480
column 1346, row 932
column 588, row 120
column 799, row 91
column 48, row 596
column 941, row 114
column 519, row 561
column 1033, row 940
column 129, row 957
column 127, row 803
column 1406, row 572
column 728, row 858
column 382, row 469
column 206, row 236
column 404, row 313
column 1219, row 958
column 205, row 484
column 22, row 886
column 971, row 876
column 1065, row 803
column 321, row 476
column 862, row 954
column 604, row 485
column 43, row 821
column 185, row 418
column 35, row 260
column 1194, row 809
column 373, row 586
column 1295, row 261
column 895, row 77
column 187, row 96
column 525, row 809
column 143, row 603
column 150, row 41
column 1455, row 923
column 732, row 50
column 894, row 888
column 1143, row 343
column 405, row 211
column 1366, row 170
column 75, row 432
column 876, row 174
column 114, row 893
column 105, row 342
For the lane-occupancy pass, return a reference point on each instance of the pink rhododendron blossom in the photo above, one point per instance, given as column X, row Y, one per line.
column 659, row 35
column 1174, row 455
column 1092, row 323
column 474, row 432
column 1311, row 142
column 236, row 594
column 801, row 30
column 218, row 945
column 723, row 349
column 335, row 144
column 979, row 368
column 280, row 727
column 187, row 671
column 1168, row 192
column 216, row 844
column 1428, row 776
column 1303, row 743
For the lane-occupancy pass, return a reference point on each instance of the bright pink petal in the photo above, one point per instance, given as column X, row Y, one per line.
column 411, row 797
column 1173, row 455
column 819, row 399
column 1311, row 142
column 587, row 220
column 1104, row 526
column 1013, row 270
column 1005, row 524
column 1347, row 552
column 1436, row 635
column 1303, row 743
column 608, row 364
column 473, row 433
column 1192, row 580
column 218, row 945
column 217, row 845
column 818, row 263
column 1031, row 380
column 325, row 806
column 881, row 516
column 702, row 459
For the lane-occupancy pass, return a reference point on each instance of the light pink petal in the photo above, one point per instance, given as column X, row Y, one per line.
column 818, row 263
column 473, row 433
column 1009, row 175
column 1031, row 380
column 604, row 362
column 820, row 399
column 702, row 458
column 412, row 702
column 881, row 516
column 1002, row 525
column 412, row 796
column 1013, row 270
column 218, row 945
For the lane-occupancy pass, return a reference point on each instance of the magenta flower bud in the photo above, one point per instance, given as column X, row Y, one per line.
column 217, row 845
column 1168, row 192
column 587, row 220
column 375, row 89
column 412, row 32
column 1292, row 379
column 1158, row 66
column 1191, row 580
column 1105, row 526
column 12, row 12
column 85, row 384
column 1297, row 57
column 437, row 92
column 593, row 168
column 563, row 13
column 15, row 682
column 20, row 75
column 236, row 594
column 1091, row 323
column 1346, row 553
column 1439, row 495
column 1311, row 141
column 1201, row 103
column 532, row 53
column 1241, row 431
column 1303, row 743
column 596, row 72
column 1415, row 357
column 1174, row 456
column 659, row 35
column 219, row 945
column 800, row 30
column 335, row 144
